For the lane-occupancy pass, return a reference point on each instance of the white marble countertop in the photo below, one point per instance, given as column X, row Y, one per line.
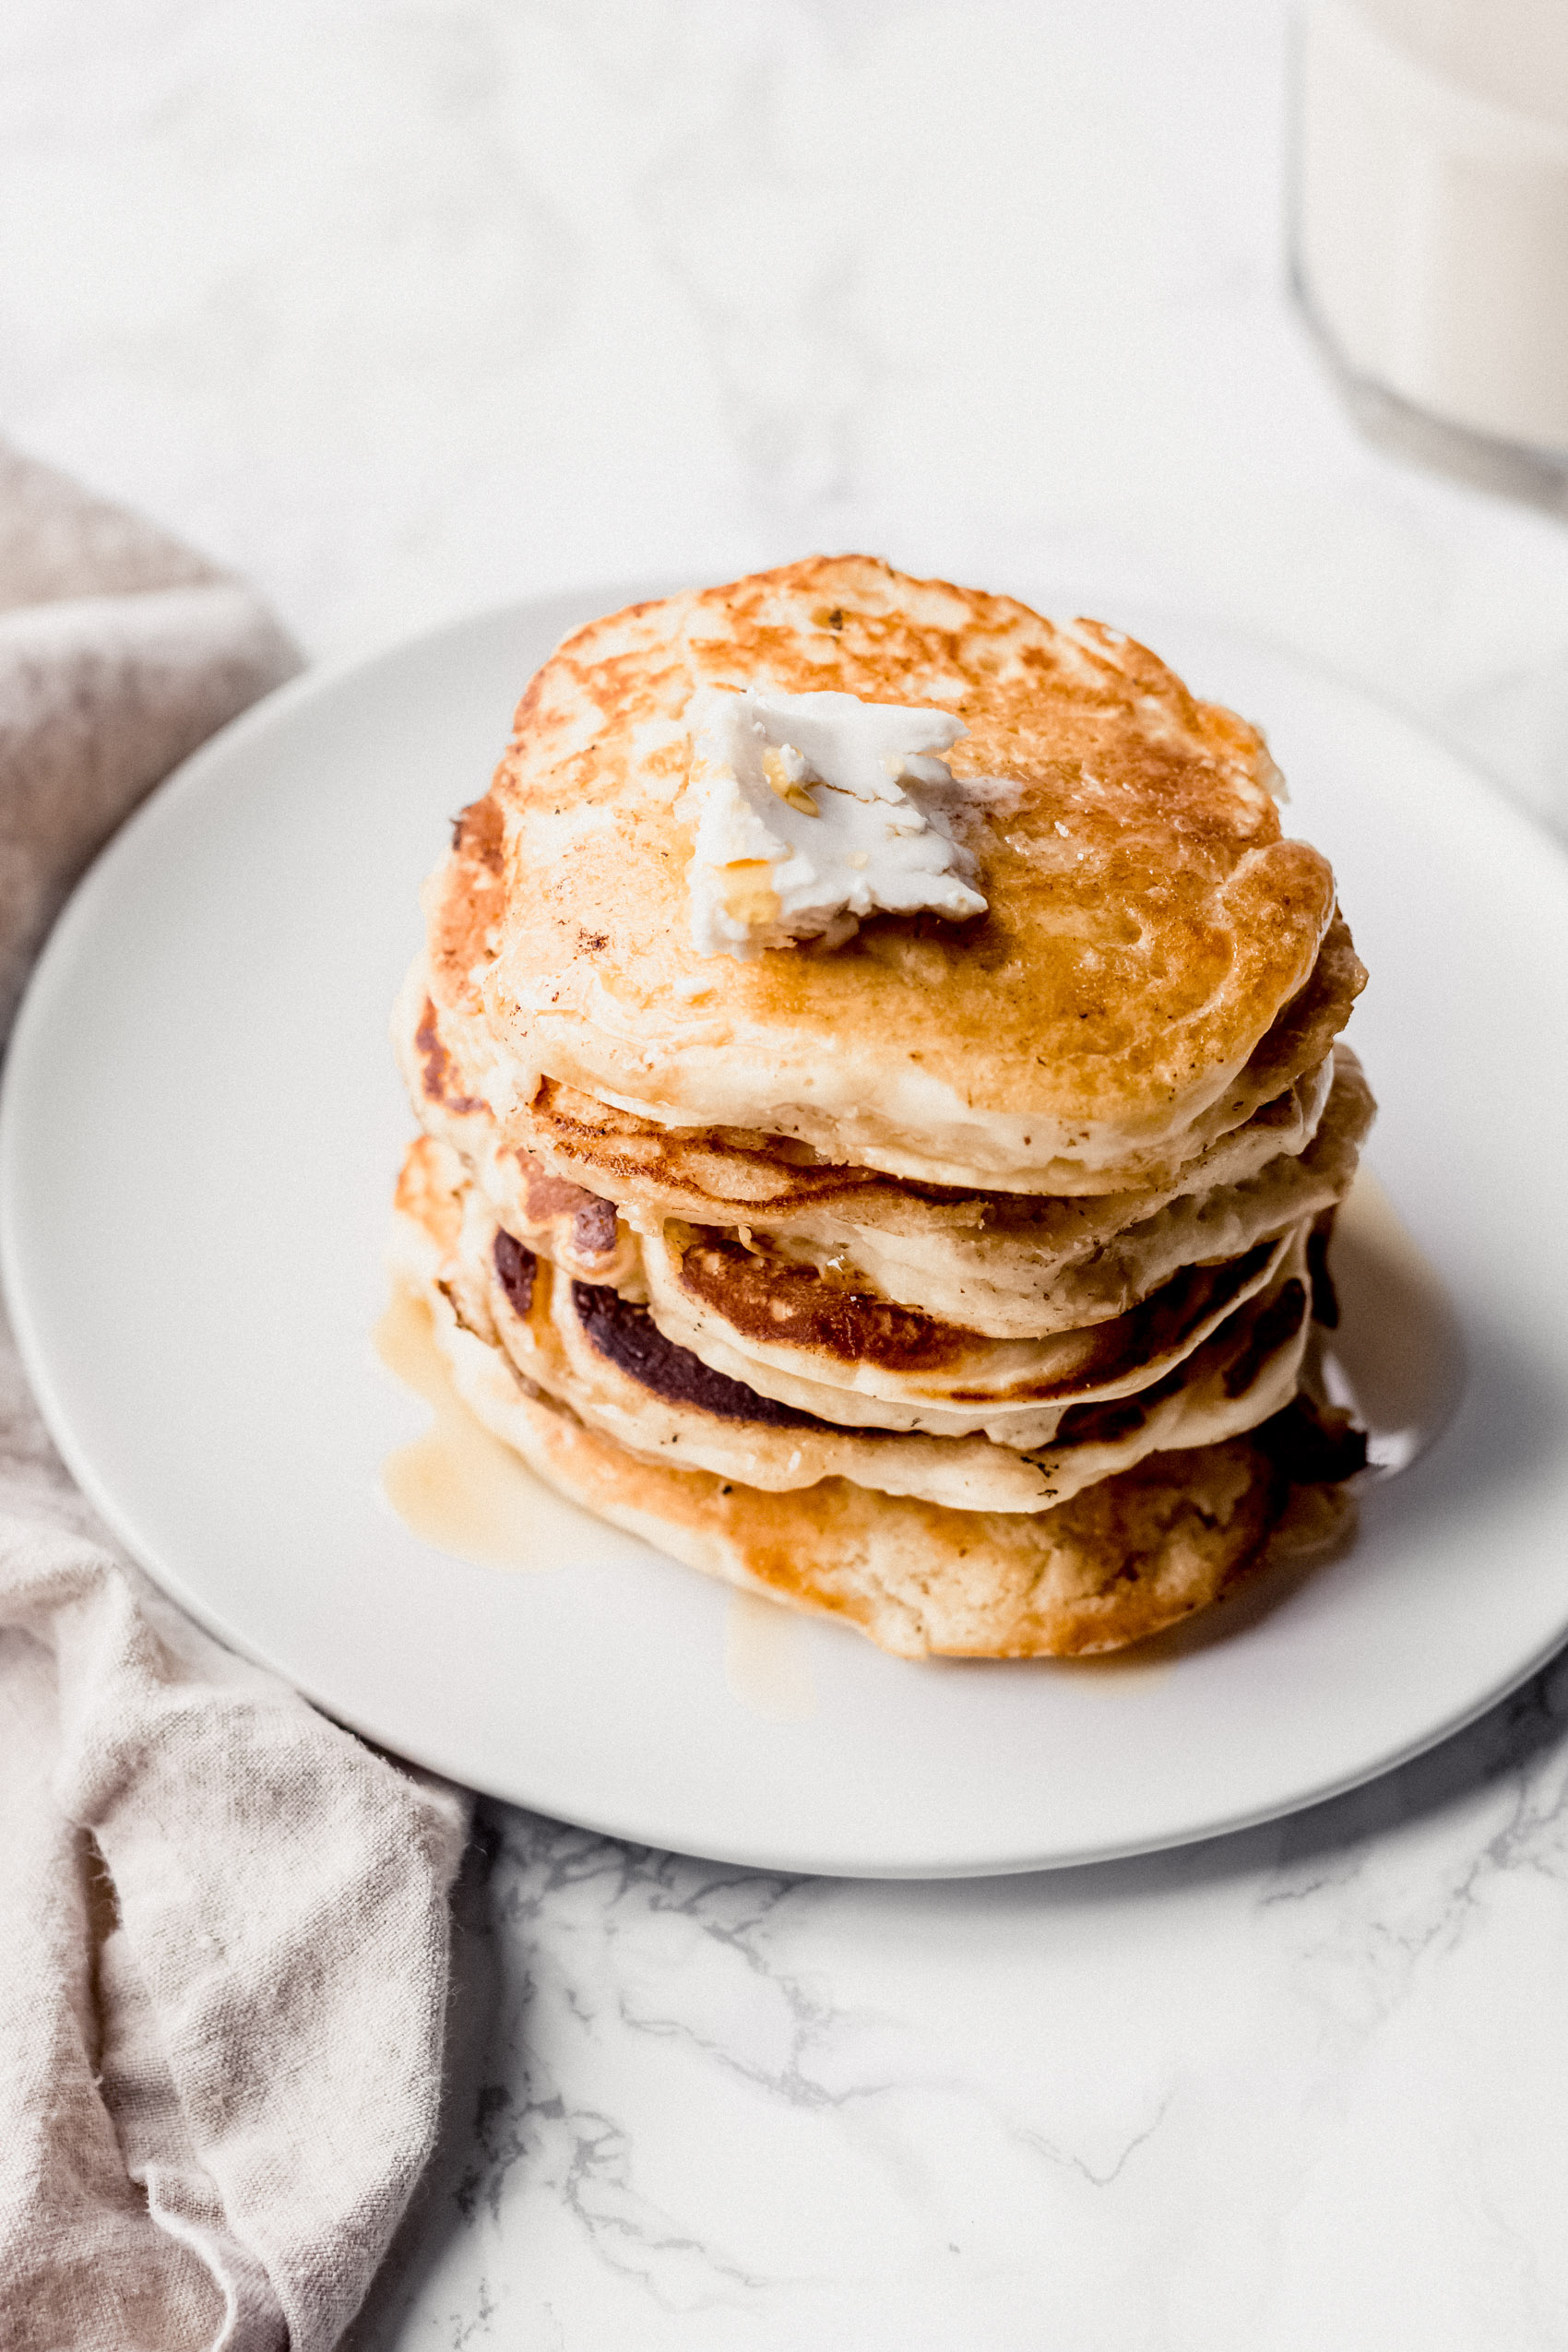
column 403, row 310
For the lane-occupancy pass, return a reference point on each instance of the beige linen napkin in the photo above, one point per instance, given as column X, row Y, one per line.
column 223, row 1922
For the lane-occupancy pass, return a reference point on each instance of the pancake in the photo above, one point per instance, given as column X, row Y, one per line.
column 951, row 1271
column 655, row 1400
column 1147, row 930
column 791, row 1336
column 1118, row 1361
column 607, row 1361
column 1119, row 1562
column 1296, row 1044
column 1012, row 1266
column 1024, row 1268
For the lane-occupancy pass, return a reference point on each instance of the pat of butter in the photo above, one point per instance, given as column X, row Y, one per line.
column 810, row 814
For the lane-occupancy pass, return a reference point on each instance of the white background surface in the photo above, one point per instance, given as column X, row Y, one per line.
column 402, row 308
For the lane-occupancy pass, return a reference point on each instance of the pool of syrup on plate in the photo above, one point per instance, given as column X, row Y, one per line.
column 462, row 1491
column 457, row 1487
column 1396, row 1359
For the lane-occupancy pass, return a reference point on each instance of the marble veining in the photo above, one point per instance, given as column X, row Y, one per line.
column 1301, row 2086
column 403, row 309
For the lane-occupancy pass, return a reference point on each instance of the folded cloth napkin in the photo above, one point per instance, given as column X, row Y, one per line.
column 223, row 1921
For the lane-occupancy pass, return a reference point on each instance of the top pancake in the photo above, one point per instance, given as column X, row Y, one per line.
column 1147, row 927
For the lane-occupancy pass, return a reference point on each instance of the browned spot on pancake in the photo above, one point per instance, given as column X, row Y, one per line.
column 779, row 1300
column 630, row 1338
column 479, row 832
column 776, row 1300
column 1162, row 1322
column 593, row 1228
column 1120, row 1417
column 1325, row 1298
column 426, row 1195
column 462, row 923
column 1271, row 1328
column 725, row 1176
column 545, row 1195
column 517, row 1267
column 727, row 1166
column 438, row 1065
column 1305, row 1028
column 1260, row 1331
column 1313, row 1444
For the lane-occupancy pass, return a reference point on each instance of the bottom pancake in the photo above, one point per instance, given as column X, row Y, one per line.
column 1118, row 1563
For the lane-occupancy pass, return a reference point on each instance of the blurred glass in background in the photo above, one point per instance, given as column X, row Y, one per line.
column 1430, row 212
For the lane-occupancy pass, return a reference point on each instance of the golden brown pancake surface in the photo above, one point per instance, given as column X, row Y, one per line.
column 1147, row 923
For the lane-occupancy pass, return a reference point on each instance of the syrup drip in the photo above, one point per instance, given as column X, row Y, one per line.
column 457, row 1487
column 766, row 1663
column 464, row 1491
column 1396, row 1360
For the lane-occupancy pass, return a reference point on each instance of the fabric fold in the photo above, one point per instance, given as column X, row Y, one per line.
column 223, row 1920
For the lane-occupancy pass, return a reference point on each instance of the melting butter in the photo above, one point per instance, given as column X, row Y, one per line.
column 811, row 811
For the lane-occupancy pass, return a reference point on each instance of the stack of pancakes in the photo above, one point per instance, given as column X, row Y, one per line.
column 957, row 1279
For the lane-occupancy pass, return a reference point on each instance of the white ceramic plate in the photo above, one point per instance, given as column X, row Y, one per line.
column 200, row 1128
